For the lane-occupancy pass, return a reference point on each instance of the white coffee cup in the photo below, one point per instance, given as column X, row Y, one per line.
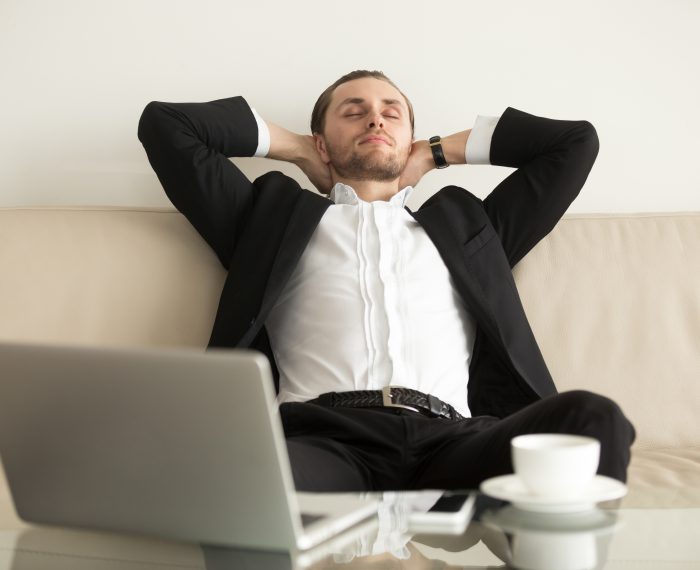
column 555, row 465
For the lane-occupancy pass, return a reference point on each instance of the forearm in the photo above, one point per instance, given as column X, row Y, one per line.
column 286, row 145
column 453, row 146
column 225, row 125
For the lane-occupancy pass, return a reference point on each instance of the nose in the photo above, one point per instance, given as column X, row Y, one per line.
column 375, row 120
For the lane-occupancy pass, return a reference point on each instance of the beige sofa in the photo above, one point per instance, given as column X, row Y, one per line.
column 614, row 301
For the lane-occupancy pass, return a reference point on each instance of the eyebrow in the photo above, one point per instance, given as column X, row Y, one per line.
column 358, row 100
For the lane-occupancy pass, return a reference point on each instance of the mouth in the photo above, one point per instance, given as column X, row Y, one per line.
column 374, row 139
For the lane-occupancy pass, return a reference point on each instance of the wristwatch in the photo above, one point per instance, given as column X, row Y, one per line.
column 438, row 155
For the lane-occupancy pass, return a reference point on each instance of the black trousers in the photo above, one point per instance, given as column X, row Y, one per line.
column 385, row 449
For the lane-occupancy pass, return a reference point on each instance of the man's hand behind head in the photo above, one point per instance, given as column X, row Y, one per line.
column 419, row 163
column 313, row 166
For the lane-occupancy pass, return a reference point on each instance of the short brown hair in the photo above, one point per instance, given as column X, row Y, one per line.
column 318, row 115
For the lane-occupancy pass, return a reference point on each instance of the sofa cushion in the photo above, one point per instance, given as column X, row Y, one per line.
column 665, row 477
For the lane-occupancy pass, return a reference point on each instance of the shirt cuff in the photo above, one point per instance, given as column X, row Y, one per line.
column 263, row 135
column 479, row 142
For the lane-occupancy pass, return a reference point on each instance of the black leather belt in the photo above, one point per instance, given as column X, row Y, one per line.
column 391, row 397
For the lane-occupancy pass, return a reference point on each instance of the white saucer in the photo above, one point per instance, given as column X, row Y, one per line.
column 511, row 488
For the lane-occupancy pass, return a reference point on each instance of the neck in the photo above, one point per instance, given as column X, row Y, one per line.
column 370, row 190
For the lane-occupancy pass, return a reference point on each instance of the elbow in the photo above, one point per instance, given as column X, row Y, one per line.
column 148, row 123
column 591, row 139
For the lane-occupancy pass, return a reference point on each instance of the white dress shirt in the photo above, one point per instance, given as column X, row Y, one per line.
column 371, row 302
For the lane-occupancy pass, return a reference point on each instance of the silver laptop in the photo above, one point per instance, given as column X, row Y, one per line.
column 177, row 443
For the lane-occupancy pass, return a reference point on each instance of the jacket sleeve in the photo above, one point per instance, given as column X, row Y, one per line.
column 188, row 145
column 553, row 158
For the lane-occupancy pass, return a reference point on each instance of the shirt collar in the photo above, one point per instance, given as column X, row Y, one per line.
column 344, row 194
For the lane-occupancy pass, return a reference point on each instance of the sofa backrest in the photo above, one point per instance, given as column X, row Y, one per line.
column 614, row 300
column 106, row 276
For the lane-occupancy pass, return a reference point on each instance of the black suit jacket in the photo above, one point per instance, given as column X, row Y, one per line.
column 259, row 229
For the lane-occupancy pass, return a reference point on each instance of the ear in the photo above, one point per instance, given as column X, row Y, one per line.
column 321, row 147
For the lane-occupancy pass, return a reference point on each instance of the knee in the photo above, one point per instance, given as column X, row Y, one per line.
column 598, row 414
column 583, row 401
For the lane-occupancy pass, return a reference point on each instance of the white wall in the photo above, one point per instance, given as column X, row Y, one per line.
column 76, row 75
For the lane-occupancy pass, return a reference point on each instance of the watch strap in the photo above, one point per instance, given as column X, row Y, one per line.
column 438, row 154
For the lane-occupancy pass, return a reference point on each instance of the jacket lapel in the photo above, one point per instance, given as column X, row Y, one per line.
column 437, row 227
column 302, row 222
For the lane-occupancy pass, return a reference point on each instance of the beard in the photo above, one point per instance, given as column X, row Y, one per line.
column 376, row 166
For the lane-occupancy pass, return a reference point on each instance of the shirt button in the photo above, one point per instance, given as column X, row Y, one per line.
column 252, row 321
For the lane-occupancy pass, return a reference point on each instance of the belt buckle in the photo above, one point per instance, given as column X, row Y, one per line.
column 387, row 399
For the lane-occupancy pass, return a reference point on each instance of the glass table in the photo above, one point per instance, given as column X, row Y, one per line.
column 498, row 536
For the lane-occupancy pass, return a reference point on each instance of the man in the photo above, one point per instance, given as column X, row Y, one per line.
column 350, row 295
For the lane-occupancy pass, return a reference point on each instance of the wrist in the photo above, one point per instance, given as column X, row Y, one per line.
column 454, row 147
column 427, row 162
column 304, row 151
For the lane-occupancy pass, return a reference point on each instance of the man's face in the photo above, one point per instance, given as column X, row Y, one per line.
column 367, row 131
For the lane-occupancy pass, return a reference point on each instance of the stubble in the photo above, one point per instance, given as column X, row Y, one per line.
column 378, row 166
